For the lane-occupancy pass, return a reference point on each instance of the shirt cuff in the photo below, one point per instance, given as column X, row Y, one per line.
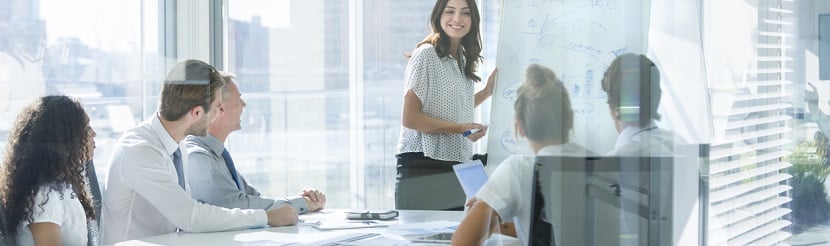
column 298, row 202
column 263, row 218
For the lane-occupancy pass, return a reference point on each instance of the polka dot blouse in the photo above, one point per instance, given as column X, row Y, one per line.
column 445, row 94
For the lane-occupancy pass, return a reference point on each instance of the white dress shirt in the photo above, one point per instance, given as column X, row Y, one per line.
column 142, row 197
column 646, row 141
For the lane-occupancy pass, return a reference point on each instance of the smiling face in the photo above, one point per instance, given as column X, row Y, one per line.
column 456, row 20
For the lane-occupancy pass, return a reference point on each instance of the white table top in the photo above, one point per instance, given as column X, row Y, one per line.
column 231, row 237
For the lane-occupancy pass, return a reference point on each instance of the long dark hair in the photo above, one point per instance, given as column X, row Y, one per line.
column 47, row 146
column 471, row 42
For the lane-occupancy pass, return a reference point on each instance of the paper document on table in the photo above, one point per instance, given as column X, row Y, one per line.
column 424, row 228
column 266, row 236
column 378, row 241
column 350, row 224
column 335, row 238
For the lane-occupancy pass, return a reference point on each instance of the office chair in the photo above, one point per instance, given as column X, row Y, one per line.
column 95, row 189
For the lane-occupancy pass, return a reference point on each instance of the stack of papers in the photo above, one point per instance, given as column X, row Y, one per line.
column 424, row 228
column 271, row 238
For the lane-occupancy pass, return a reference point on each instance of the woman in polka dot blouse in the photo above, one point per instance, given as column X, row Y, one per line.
column 438, row 109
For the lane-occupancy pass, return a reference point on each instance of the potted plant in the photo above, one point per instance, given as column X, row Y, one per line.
column 809, row 170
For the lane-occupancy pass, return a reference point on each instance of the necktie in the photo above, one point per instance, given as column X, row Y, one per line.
column 232, row 168
column 177, row 163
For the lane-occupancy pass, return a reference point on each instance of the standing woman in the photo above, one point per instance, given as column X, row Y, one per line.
column 42, row 178
column 438, row 108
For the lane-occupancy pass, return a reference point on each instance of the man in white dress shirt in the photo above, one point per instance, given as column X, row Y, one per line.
column 632, row 83
column 145, row 194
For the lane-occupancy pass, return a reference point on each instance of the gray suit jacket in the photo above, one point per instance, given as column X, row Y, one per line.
column 211, row 182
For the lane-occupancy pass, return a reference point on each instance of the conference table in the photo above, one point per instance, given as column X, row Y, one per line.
column 306, row 234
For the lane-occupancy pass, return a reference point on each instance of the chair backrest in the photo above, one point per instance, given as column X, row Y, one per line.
column 95, row 188
column 600, row 199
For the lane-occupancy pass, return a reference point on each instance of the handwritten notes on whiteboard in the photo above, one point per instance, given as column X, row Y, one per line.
column 577, row 39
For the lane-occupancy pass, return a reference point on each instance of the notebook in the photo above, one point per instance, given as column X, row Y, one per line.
column 471, row 175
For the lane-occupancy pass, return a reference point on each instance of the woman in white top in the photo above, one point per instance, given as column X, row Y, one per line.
column 438, row 108
column 544, row 116
column 42, row 178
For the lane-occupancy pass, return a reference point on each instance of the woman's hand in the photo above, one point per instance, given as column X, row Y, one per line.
column 491, row 81
column 485, row 93
column 482, row 130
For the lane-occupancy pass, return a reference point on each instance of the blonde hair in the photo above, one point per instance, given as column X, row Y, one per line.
column 543, row 106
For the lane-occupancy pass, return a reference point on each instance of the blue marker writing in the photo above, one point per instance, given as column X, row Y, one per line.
column 470, row 132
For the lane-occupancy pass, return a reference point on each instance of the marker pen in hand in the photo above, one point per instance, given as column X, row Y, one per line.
column 470, row 132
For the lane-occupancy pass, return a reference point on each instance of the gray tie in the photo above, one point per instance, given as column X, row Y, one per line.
column 177, row 163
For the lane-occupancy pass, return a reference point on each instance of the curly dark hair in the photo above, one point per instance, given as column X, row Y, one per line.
column 47, row 146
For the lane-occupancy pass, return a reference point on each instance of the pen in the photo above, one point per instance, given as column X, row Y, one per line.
column 470, row 132
column 430, row 241
column 368, row 222
column 308, row 222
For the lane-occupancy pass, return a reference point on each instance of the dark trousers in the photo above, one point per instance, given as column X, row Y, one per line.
column 424, row 183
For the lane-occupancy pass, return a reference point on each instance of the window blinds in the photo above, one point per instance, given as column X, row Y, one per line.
column 748, row 183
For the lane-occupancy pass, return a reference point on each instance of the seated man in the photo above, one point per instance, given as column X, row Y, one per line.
column 632, row 83
column 146, row 190
column 213, row 175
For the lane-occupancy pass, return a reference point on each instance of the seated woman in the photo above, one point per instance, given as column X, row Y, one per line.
column 544, row 116
column 42, row 178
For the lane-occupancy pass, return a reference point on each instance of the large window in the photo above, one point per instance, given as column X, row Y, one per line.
column 324, row 85
column 105, row 53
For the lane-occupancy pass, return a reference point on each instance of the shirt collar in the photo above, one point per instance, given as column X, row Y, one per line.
column 212, row 143
column 170, row 144
column 631, row 133
column 560, row 149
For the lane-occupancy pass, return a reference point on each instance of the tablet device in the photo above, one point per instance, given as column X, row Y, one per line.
column 471, row 175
